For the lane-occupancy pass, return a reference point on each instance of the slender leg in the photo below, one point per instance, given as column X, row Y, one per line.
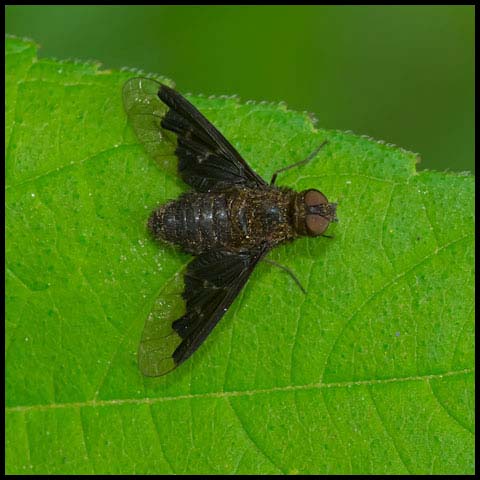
column 302, row 162
column 286, row 269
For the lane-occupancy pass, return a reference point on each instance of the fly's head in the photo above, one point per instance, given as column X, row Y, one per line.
column 313, row 213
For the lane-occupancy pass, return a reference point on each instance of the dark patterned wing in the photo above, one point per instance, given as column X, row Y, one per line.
column 206, row 160
column 212, row 282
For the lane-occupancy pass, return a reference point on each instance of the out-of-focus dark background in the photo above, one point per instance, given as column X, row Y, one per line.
column 403, row 74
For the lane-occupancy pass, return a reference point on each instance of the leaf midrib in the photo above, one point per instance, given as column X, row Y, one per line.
column 238, row 393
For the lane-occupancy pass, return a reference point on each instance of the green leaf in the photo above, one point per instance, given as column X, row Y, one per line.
column 371, row 372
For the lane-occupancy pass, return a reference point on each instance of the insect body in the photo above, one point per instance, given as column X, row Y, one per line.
column 237, row 219
column 230, row 220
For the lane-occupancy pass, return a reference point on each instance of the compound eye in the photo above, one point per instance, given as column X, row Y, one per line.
column 314, row 197
column 316, row 224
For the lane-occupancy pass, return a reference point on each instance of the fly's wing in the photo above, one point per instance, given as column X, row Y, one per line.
column 212, row 282
column 145, row 112
column 159, row 340
column 206, row 160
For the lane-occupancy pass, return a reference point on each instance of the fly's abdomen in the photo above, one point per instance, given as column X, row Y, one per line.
column 196, row 222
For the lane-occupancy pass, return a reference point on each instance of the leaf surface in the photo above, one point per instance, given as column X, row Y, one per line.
column 371, row 372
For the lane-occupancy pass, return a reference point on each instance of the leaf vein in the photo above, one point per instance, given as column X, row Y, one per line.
column 238, row 393
column 382, row 421
column 252, row 440
column 449, row 413
column 386, row 285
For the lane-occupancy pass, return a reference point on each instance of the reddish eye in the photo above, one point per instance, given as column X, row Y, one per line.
column 316, row 224
column 314, row 197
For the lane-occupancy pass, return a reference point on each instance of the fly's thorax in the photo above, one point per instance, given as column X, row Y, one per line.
column 260, row 215
column 312, row 213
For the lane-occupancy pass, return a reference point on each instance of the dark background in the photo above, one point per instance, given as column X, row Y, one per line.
column 403, row 74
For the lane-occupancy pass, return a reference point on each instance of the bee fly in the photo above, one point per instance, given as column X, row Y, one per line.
column 229, row 221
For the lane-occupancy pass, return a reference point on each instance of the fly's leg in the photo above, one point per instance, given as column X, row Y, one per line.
column 286, row 269
column 298, row 164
